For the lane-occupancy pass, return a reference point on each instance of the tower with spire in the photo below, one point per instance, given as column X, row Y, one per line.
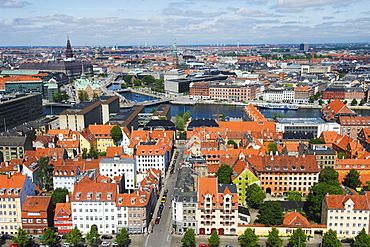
column 69, row 53
column 175, row 57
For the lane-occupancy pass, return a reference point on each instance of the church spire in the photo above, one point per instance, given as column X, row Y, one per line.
column 175, row 56
column 69, row 53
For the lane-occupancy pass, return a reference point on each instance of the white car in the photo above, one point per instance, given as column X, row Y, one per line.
column 114, row 244
column 105, row 244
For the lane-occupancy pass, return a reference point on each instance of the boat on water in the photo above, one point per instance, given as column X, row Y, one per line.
column 276, row 106
column 137, row 95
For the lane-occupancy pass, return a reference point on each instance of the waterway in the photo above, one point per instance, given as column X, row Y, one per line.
column 212, row 110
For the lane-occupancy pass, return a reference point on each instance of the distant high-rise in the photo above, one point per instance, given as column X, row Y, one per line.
column 69, row 53
column 303, row 47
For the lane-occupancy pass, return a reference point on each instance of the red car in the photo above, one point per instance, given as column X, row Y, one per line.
column 157, row 220
column 203, row 245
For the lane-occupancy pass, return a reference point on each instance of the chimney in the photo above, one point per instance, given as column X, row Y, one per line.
column 67, row 198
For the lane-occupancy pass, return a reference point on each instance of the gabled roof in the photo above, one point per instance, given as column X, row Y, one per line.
column 36, row 203
column 63, row 209
column 361, row 202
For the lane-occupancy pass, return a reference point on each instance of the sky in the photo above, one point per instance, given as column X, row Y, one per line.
column 186, row 22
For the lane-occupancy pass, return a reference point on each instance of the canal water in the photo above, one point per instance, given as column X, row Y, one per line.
column 212, row 110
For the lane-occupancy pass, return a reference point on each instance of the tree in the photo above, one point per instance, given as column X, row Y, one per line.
column 352, row 179
column 45, row 173
column 116, row 134
column 128, row 79
column 95, row 95
column 354, row 102
column 367, row 186
column 248, row 238
column 232, row 142
column 345, row 102
column 149, row 79
column 274, row 240
column 92, row 236
column 222, row 117
column 83, row 96
column 93, row 154
column 276, row 115
column 316, row 141
column 74, row 237
column 311, row 99
column 214, row 239
column 123, row 237
column 272, row 147
column 59, row 195
column 316, row 197
column 270, row 213
column 254, row 195
column 224, row 174
column 294, row 196
column 329, row 176
column 330, row 239
column 321, row 102
column 298, row 238
column 180, row 123
column 137, row 82
column 84, row 153
column 58, row 97
column 342, row 155
column 21, row 238
column 49, row 237
column 362, row 102
column 186, row 116
column 362, row 239
column 189, row 238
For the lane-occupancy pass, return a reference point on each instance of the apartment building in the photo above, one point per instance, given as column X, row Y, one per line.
column 63, row 218
column 123, row 165
column 279, row 94
column 302, row 94
column 347, row 215
column 97, row 137
column 199, row 90
column 37, row 214
column 280, row 174
column 351, row 125
column 13, row 194
column 94, row 203
column 185, row 201
column 217, row 208
column 232, row 92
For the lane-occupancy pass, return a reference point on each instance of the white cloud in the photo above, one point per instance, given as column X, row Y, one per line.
column 12, row 4
column 191, row 13
column 300, row 5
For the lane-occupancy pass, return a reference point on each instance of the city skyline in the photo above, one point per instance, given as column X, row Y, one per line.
column 204, row 22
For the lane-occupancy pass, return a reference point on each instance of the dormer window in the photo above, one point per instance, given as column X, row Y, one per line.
column 78, row 195
column 109, row 195
column 268, row 167
column 98, row 195
column 89, row 195
column 302, row 167
column 294, row 168
column 120, row 200
column 2, row 191
column 16, row 191
column 10, row 191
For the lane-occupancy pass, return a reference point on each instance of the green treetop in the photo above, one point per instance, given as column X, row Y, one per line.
column 74, row 237
column 352, row 179
column 224, row 174
column 189, row 238
column 274, row 240
column 270, row 213
column 330, row 239
column 122, row 237
column 49, row 237
column 92, row 236
column 362, row 239
column 254, row 195
column 116, row 134
column 214, row 239
column 248, row 238
column 298, row 238
column 21, row 238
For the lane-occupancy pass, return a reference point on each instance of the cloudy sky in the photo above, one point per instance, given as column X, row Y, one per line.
column 189, row 22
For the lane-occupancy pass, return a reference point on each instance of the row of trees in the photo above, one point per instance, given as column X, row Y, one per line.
column 148, row 80
column 74, row 237
column 297, row 239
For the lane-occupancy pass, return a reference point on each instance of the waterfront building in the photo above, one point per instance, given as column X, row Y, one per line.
column 130, row 119
column 284, row 94
column 18, row 109
column 305, row 125
column 37, row 214
column 80, row 116
column 232, row 92
column 217, row 208
column 347, row 215
column 13, row 194
column 335, row 109
column 302, row 94
column 182, row 85
column 199, row 90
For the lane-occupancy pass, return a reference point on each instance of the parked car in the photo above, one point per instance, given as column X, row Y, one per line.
column 115, row 244
column 347, row 240
column 66, row 245
column 106, row 237
column 161, row 207
column 159, row 214
column 30, row 237
column 7, row 237
column 105, row 244
column 203, row 245
column 40, row 237
column 13, row 245
column 157, row 221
